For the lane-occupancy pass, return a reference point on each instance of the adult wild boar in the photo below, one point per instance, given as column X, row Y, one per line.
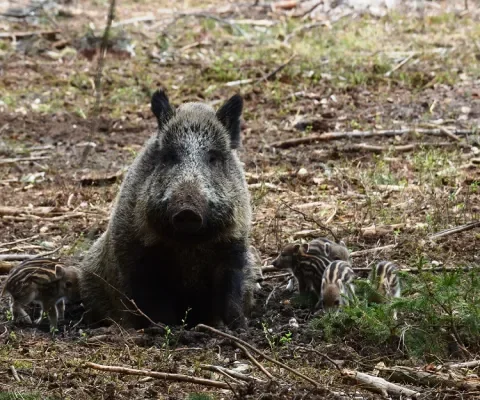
column 177, row 238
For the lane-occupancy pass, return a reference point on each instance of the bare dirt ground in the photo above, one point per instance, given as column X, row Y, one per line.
column 416, row 71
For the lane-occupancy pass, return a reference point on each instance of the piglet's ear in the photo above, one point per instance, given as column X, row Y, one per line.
column 59, row 272
column 161, row 107
column 328, row 249
column 229, row 115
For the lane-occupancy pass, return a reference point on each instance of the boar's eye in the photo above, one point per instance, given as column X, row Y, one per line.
column 68, row 284
column 170, row 157
column 214, row 158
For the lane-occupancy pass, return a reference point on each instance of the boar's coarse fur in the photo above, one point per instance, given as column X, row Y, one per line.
column 177, row 238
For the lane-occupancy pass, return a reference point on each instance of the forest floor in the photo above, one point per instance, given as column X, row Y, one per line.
column 412, row 78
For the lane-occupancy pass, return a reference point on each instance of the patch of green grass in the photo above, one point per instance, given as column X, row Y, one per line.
column 437, row 313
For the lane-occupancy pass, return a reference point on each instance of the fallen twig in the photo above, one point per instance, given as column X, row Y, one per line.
column 379, row 385
column 23, row 257
column 249, row 346
column 401, row 148
column 15, row 373
column 426, row 378
column 306, row 233
column 274, row 72
column 380, row 230
column 307, row 13
column 7, row 210
column 179, row 16
column 160, row 375
column 38, row 218
column 234, row 374
column 466, row 364
column 313, row 25
column 283, row 275
column 458, row 229
column 6, row 35
column 269, row 268
column 253, row 22
column 254, row 361
column 285, row 144
column 22, row 159
column 400, row 64
column 449, row 134
column 157, row 324
column 98, row 80
column 374, row 250
column 19, row 241
column 311, row 219
column 304, row 28
column 323, row 356
column 144, row 18
column 239, row 82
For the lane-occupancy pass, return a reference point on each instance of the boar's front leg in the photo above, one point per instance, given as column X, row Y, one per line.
column 227, row 299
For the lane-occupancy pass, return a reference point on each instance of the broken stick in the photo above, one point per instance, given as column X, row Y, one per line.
column 457, row 229
column 379, row 385
column 161, row 375
column 249, row 346
column 285, row 144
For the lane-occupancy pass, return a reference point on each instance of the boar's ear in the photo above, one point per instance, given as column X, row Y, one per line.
column 229, row 115
column 161, row 107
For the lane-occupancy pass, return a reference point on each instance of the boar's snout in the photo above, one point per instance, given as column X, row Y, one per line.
column 187, row 221
column 187, row 209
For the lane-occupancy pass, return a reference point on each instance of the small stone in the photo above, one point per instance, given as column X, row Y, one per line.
column 241, row 368
column 293, row 323
column 302, row 172
column 466, row 110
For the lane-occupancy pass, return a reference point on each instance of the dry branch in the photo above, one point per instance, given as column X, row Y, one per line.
column 22, row 159
column 467, row 364
column 160, row 375
column 269, row 268
column 285, row 144
column 38, row 218
column 379, row 385
column 274, row 72
column 374, row 250
column 180, row 16
column 145, row 18
column 249, row 346
column 311, row 219
column 457, row 229
column 431, row 379
column 380, row 230
column 234, row 374
column 23, row 257
column 254, row 361
column 400, row 64
column 15, row 373
column 19, row 241
column 313, row 25
column 402, row 148
column 6, row 35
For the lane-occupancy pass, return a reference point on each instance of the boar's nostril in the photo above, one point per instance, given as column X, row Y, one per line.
column 187, row 221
